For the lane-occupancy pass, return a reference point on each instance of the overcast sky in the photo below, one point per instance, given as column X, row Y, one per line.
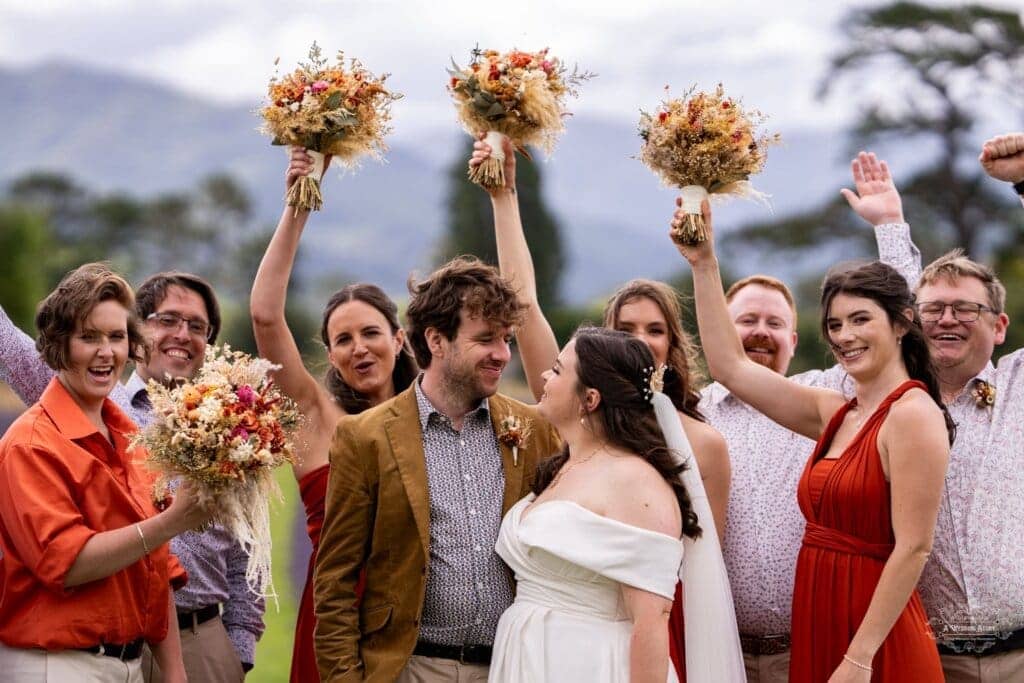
column 772, row 54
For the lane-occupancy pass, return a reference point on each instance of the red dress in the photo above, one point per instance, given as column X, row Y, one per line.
column 848, row 539
column 677, row 635
column 313, row 489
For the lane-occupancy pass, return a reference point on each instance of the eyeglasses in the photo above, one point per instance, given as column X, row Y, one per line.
column 172, row 321
column 963, row 311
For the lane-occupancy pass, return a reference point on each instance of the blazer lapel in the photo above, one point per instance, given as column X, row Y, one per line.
column 406, row 440
column 514, row 467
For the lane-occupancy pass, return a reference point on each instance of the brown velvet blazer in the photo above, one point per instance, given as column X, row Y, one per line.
column 378, row 516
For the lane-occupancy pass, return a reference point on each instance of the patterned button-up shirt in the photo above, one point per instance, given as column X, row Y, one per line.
column 468, row 586
column 764, row 526
column 973, row 583
column 215, row 561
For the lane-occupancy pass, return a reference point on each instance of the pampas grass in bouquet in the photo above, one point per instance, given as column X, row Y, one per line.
column 704, row 144
column 519, row 95
column 338, row 109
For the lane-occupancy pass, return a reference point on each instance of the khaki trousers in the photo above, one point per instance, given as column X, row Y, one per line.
column 767, row 668
column 19, row 665
column 208, row 654
column 1006, row 667
column 436, row 670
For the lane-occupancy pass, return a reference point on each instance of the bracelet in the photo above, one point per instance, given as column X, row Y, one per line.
column 1019, row 188
column 857, row 664
column 145, row 546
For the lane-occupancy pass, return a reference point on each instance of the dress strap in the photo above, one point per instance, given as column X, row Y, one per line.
column 818, row 536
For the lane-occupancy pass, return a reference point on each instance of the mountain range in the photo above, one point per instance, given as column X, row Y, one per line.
column 112, row 131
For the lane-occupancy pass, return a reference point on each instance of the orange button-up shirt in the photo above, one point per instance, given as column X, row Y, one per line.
column 61, row 482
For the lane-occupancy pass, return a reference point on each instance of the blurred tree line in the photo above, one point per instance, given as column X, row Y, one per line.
column 49, row 224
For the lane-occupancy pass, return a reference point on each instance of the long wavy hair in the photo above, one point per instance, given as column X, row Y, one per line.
column 682, row 375
column 405, row 370
column 884, row 285
column 616, row 365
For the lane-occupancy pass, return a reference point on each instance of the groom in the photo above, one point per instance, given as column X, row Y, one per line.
column 417, row 491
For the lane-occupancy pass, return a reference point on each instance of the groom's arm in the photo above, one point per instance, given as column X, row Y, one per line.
column 346, row 534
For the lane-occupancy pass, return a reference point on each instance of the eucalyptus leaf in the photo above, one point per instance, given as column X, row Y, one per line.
column 334, row 101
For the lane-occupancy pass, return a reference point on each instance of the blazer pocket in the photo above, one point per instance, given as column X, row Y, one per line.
column 374, row 619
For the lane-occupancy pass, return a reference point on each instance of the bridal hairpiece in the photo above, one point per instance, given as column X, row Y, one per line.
column 653, row 381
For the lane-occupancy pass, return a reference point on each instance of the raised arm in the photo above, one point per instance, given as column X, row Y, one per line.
column 21, row 368
column 1002, row 157
column 799, row 408
column 913, row 442
column 274, row 340
column 538, row 347
column 877, row 201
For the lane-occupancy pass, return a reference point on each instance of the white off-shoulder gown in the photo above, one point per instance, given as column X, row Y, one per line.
column 568, row 622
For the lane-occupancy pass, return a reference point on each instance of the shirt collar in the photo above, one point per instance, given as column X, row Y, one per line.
column 69, row 418
column 427, row 409
column 135, row 384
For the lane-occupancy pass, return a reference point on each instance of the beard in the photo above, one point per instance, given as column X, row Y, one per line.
column 766, row 356
column 460, row 381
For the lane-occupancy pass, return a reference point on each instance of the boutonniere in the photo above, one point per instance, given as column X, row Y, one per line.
column 515, row 431
column 984, row 394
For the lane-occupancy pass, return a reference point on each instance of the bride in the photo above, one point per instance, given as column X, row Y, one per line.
column 596, row 547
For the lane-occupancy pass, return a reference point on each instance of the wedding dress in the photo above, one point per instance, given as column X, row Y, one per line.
column 568, row 622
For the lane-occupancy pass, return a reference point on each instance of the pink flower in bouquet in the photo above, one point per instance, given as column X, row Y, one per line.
column 320, row 86
column 547, row 66
column 240, row 433
column 246, row 396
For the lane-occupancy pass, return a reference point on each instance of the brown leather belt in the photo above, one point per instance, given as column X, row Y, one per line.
column 757, row 646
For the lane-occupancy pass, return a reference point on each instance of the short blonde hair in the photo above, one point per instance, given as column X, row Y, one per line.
column 954, row 265
column 768, row 282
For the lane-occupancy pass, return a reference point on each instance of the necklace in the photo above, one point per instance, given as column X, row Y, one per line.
column 570, row 464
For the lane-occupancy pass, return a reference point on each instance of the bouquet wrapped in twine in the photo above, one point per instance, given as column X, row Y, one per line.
column 704, row 143
column 329, row 109
column 519, row 95
column 225, row 431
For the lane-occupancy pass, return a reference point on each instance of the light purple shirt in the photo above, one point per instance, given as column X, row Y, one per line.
column 215, row 562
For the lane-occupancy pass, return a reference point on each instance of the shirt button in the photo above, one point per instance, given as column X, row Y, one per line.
column 480, row 585
column 467, row 477
column 472, row 511
column 479, row 621
column 477, row 548
column 462, row 442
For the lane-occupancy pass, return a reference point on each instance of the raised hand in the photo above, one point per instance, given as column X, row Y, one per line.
column 1002, row 157
column 701, row 251
column 482, row 152
column 300, row 163
column 876, row 200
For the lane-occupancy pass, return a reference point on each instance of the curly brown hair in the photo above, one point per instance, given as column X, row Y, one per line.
column 682, row 376
column 463, row 285
column 66, row 307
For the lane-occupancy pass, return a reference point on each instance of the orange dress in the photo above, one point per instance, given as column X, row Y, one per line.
column 848, row 539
